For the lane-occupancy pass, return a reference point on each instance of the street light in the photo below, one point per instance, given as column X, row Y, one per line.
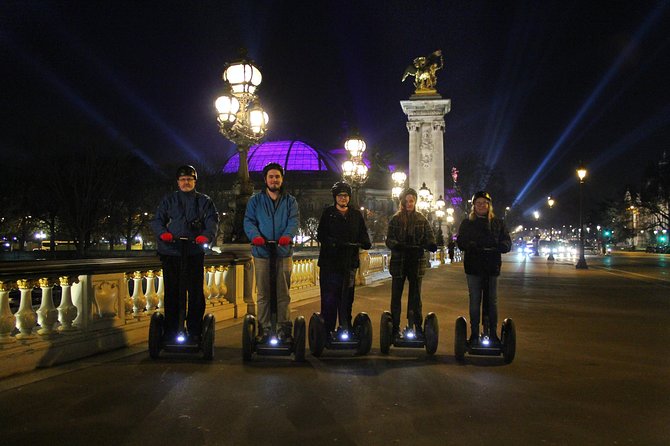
column 398, row 178
column 354, row 170
column 536, row 214
column 550, row 202
column 440, row 213
column 243, row 121
column 581, row 263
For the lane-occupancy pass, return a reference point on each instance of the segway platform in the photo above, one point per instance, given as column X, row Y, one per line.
column 485, row 347
column 409, row 337
column 181, row 343
column 358, row 338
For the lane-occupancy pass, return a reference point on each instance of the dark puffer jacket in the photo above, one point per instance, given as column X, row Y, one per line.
column 483, row 245
column 405, row 259
column 336, row 229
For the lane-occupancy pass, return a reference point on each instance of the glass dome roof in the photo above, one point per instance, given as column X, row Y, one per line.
column 293, row 155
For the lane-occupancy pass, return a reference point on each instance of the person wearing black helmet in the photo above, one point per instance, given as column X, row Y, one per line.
column 191, row 215
column 339, row 226
column 483, row 237
column 272, row 215
column 409, row 234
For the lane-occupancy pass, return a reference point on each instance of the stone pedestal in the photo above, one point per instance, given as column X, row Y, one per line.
column 425, row 124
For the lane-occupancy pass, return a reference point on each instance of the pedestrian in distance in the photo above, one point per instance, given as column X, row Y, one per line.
column 272, row 216
column 408, row 236
column 186, row 221
column 483, row 237
column 341, row 232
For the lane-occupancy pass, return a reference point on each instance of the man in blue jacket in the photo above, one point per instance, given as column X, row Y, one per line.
column 184, row 214
column 272, row 214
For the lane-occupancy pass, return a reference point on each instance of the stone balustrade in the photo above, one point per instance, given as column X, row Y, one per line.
column 73, row 309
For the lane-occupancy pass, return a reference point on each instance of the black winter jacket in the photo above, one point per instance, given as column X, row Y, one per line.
column 185, row 214
column 336, row 229
column 407, row 247
column 483, row 245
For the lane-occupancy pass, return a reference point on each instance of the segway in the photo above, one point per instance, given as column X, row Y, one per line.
column 346, row 337
column 253, row 340
column 485, row 346
column 181, row 342
column 413, row 335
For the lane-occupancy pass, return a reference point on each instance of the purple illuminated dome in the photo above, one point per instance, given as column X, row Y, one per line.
column 293, row 155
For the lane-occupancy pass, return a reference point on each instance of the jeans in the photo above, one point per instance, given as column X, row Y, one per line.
column 475, row 288
column 284, row 267
column 331, row 298
column 413, row 299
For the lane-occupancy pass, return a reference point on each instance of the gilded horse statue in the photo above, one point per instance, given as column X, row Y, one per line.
column 424, row 70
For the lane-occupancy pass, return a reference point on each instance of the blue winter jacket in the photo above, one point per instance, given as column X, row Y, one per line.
column 179, row 214
column 271, row 220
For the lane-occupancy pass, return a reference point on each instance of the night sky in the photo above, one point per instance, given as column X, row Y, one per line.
column 536, row 86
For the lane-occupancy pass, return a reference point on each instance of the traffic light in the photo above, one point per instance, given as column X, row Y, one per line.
column 607, row 233
column 662, row 238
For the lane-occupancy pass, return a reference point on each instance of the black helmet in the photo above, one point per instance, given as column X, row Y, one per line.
column 272, row 166
column 481, row 194
column 339, row 187
column 406, row 192
column 187, row 171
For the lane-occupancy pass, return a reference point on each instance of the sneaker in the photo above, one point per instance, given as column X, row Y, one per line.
column 474, row 340
column 284, row 335
column 264, row 338
column 495, row 340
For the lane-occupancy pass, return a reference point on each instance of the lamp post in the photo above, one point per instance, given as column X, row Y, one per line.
column 581, row 263
column 354, row 170
column 398, row 178
column 440, row 213
column 242, row 121
column 536, row 243
column 550, row 203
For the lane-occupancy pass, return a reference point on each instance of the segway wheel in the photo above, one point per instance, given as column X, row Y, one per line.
column 460, row 338
column 363, row 329
column 156, row 334
column 317, row 334
column 208, row 329
column 299, row 339
column 508, row 340
column 248, row 337
column 385, row 332
column 431, row 330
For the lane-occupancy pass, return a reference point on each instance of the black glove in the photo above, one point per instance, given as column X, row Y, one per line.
column 366, row 246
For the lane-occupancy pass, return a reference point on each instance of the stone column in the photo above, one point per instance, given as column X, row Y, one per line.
column 425, row 124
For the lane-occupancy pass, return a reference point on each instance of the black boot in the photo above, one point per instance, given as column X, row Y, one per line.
column 474, row 337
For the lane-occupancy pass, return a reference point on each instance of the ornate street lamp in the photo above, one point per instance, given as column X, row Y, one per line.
column 581, row 263
column 424, row 203
column 550, row 202
column 398, row 178
column 354, row 170
column 243, row 121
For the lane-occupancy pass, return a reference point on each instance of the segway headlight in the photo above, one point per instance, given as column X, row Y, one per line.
column 409, row 334
column 485, row 340
column 344, row 335
column 181, row 338
column 274, row 341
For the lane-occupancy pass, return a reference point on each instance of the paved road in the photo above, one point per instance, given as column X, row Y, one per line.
column 592, row 368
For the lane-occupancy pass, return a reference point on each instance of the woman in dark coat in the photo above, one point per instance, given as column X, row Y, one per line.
column 483, row 237
column 409, row 234
column 339, row 225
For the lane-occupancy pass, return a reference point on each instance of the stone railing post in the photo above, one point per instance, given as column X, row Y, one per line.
column 7, row 318
column 67, row 312
column 150, row 294
column 26, row 318
column 160, row 292
column 47, row 314
column 139, row 300
column 210, row 273
column 221, row 283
